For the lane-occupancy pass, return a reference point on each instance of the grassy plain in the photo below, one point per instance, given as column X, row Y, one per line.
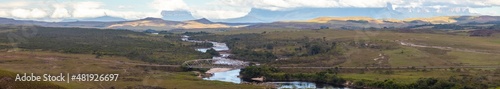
column 131, row 76
column 143, row 61
column 455, row 49
column 437, row 48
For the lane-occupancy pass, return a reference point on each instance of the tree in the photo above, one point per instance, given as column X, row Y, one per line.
column 321, row 77
column 482, row 33
column 256, row 71
column 212, row 52
column 315, row 49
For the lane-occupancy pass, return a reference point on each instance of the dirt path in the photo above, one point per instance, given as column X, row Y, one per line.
column 444, row 48
column 416, row 67
column 133, row 63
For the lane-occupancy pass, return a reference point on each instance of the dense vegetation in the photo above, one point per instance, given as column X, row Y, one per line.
column 134, row 45
column 305, row 50
column 330, row 76
column 274, row 74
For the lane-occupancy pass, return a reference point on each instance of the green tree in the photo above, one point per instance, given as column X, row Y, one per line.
column 212, row 52
column 315, row 49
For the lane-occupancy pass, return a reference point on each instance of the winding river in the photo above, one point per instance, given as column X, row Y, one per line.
column 232, row 74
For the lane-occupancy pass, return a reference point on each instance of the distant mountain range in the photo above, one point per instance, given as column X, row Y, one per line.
column 257, row 15
column 266, row 16
column 160, row 24
column 97, row 19
column 135, row 25
column 367, row 22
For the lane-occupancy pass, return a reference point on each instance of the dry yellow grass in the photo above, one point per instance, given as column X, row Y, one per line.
column 186, row 25
column 326, row 19
column 138, row 23
column 194, row 24
column 436, row 20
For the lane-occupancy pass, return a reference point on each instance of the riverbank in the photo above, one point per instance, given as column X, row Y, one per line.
column 393, row 79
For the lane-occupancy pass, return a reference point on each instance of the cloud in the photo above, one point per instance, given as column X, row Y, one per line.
column 132, row 14
column 219, row 13
column 4, row 13
column 60, row 11
column 95, row 9
column 87, row 9
column 216, row 9
column 169, row 5
column 14, row 4
column 24, row 13
column 290, row 4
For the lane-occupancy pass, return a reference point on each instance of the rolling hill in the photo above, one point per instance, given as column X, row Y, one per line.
column 135, row 25
column 358, row 22
column 367, row 22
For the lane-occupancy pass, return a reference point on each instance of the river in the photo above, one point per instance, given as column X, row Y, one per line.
column 232, row 74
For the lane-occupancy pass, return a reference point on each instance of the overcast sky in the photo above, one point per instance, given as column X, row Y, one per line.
column 54, row 10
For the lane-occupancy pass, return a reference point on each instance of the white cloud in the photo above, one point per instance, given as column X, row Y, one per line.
column 14, row 4
column 20, row 13
column 60, row 11
column 37, row 13
column 219, row 14
column 215, row 10
column 87, row 9
column 169, row 5
column 24, row 13
column 132, row 14
column 289, row 4
column 4, row 13
column 218, row 9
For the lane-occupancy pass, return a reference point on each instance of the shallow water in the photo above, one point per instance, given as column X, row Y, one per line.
column 228, row 76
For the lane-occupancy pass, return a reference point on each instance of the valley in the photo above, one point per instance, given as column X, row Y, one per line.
column 250, row 44
column 328, row 52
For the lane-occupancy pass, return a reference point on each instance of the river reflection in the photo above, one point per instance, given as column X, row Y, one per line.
column 302, row 85
column 227, row 76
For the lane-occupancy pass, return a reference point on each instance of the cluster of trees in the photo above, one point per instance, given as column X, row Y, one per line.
column 441, row 26
column 195, row 33
column 320, row 77
column 274, row 74
column 330, row 77
column 134, row 45
column 454, row 82
column 213, row 52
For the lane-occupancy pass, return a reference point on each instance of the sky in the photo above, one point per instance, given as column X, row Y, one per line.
column 56, row 10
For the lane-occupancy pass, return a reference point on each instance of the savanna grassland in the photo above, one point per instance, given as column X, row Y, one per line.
column 143, row 61
column 384, row 58
column 133, row 74
column 376, row 58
